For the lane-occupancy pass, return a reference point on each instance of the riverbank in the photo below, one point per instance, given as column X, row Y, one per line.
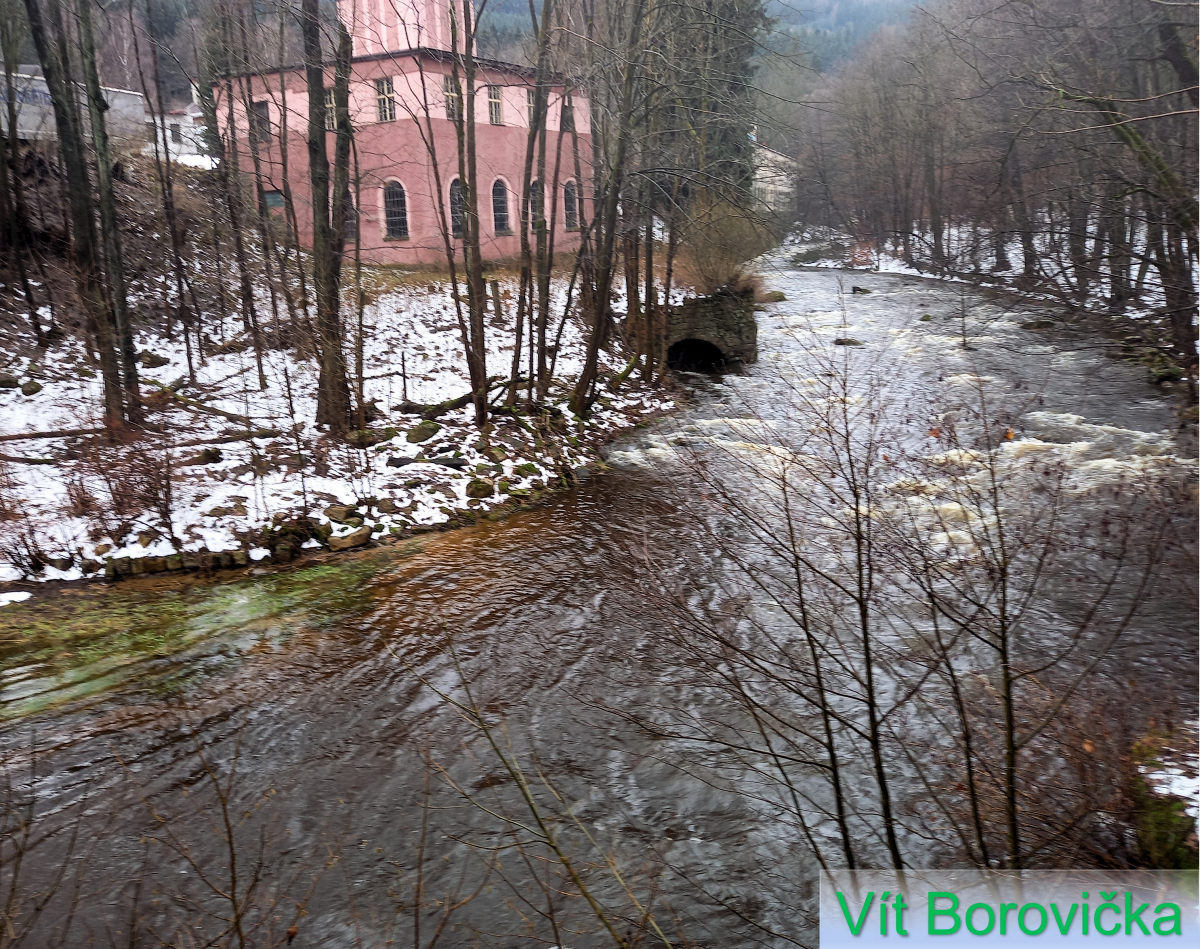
column 229, row 472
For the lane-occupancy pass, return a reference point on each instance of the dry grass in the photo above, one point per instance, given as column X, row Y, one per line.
column 718, row 240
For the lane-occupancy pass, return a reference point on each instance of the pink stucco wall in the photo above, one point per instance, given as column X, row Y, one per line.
column 400, row 150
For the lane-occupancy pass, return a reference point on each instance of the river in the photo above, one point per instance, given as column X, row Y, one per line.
column 447, row 743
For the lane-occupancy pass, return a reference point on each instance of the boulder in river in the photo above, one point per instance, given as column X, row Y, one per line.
column 847, row 341
column 31, row 387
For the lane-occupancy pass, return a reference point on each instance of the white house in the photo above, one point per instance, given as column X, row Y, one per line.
column 184, row 128
column 125, row 117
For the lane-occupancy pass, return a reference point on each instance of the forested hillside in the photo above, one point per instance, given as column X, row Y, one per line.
column 1050, row 147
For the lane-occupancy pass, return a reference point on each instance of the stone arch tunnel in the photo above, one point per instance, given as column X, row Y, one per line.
column 709, row 334
column 695, row 355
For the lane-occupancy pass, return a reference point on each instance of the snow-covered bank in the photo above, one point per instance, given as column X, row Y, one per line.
column 228, row 473
column 969, row 258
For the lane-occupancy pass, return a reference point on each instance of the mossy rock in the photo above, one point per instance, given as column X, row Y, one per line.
column 423, row 431
column 1039, row 324
column 31, row 387
column 774, row 296
column 527, row 470
column 341, row 513
column 8, row 381
column 926, row 317
column 480, row 488
column 847, row 341
column 151, row 360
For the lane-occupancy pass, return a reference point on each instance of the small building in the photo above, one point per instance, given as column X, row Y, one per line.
column 124, row 118
column 403, row 106
column 182, row 128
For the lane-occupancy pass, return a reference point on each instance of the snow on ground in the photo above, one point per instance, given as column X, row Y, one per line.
column 205, row 484
column 1177, row 772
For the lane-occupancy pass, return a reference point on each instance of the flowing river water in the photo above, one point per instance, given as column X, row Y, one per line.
column 309, row 740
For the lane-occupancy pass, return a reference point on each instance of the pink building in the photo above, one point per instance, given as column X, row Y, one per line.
column 402, row 105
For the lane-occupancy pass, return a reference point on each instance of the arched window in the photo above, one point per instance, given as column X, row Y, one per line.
column 456, row 208
column 500, row 207
column 537, row 201
column 395, row 210
column 571, row 206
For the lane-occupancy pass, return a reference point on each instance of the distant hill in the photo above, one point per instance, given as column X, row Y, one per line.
column 503, row 24
column 830, row 30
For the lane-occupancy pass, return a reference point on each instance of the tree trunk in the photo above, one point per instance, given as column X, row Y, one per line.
column 85, row 256
column 329, row 223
